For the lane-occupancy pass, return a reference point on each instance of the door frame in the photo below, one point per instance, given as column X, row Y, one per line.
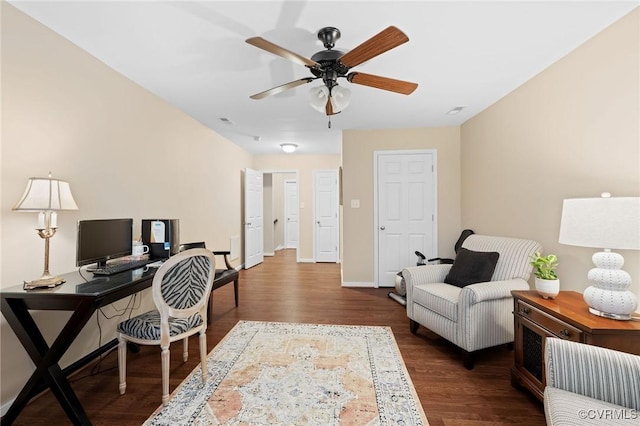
column 337, row 200
column 376, row 155
column 297, row 179
column 286, row 204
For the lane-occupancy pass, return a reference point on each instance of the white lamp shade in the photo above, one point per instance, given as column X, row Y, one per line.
column 318, row 98
column 606, row 223
column 46, row 194
column 340, row 97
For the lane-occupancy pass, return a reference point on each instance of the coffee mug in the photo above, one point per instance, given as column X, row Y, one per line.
column 138, row 249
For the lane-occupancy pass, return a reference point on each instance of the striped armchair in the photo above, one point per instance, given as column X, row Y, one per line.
column 588, row 385
column 478, row 315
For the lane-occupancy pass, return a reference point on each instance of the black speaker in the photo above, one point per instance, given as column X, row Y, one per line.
column 162, row 236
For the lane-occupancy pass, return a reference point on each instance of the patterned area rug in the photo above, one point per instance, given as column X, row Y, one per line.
column 265, row 373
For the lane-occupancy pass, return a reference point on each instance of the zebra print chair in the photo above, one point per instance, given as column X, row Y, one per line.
column 181, row 289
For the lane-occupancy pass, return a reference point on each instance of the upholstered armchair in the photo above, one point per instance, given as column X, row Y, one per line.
column 588, row 385
column 469, row 302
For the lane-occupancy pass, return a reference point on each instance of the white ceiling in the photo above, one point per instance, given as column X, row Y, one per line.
column 193, row 55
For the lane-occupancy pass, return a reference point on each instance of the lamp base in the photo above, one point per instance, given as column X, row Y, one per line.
column 45, row 281
column 620, row 317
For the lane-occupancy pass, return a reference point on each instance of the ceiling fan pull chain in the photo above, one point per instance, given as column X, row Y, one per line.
column 329, row 121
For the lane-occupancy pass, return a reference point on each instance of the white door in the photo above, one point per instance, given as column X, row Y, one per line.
column 406, row 211
column 253, row 218
column 291, row 213
column 326, row 215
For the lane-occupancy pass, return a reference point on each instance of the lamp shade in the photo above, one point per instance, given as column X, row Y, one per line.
column 318, row 98
column 607, row 222
column 340, row 97
column 46, row 194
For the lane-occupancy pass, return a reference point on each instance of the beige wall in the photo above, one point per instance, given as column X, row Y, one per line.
column 125, row 152
column 358, row 147
column 572, row 131
column 305, row 165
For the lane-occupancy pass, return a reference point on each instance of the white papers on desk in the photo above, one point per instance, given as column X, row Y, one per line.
column 157, row 231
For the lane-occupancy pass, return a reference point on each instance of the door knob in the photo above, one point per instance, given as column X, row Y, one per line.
column 318, row 222
column 383, row 228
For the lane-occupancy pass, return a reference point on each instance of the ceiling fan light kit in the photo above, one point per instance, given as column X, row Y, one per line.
column 330, row 65
column 337, row 96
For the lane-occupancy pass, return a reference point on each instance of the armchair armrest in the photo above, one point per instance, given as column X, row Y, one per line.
column 592, row 371
column 226, row 254
column 491, row 290
column 426, row 274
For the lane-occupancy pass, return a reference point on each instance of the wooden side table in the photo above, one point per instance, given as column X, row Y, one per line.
column 566, row 317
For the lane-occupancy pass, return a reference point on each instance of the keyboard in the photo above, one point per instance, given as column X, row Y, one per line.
column 114, row 268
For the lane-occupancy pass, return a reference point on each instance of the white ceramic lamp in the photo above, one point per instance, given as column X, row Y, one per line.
column 607, row 223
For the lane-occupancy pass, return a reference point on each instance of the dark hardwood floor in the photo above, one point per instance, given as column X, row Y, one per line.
column 282, row 290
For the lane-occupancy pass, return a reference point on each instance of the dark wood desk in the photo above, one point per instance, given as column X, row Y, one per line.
column 81, row 294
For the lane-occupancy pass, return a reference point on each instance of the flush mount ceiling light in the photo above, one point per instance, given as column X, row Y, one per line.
column 288, row 147
column 331, row 64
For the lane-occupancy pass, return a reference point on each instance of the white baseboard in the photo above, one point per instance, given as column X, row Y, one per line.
column 306, row 260
column 358, row 284
column 269, row 254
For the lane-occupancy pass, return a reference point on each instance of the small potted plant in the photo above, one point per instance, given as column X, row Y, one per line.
column 544, row 268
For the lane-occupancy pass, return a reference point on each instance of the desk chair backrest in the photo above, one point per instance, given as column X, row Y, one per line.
column 182, row 285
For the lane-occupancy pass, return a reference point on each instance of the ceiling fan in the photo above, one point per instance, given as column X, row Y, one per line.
column 330, row 64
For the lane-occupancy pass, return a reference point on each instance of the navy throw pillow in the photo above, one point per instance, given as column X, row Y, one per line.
column 472, row 267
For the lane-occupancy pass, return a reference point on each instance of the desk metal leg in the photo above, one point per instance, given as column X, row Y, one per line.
column 46, row 358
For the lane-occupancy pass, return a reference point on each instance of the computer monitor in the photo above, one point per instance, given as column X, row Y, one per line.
column 103, row 239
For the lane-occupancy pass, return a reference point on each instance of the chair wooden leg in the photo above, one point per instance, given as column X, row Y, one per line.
column 235, row 291
column 185, row 349
column 413, row 326
column 467, row 359
column 203, row 355
column 165, row 375
column 122, row 364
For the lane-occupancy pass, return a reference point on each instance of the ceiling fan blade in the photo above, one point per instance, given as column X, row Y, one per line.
column 384, row 83
column 282, row 88
column 385, row 40
column 263, row 44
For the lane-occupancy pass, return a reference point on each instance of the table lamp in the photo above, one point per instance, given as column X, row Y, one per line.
column 606, row 223
column 46, row 196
